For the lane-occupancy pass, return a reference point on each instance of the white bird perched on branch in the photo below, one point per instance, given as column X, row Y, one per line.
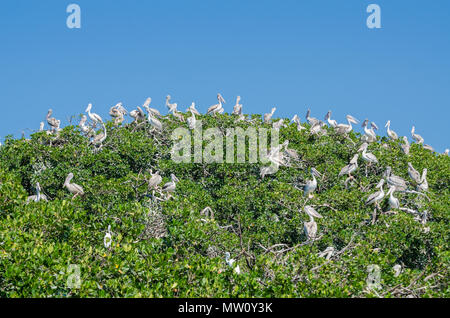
column 416, row 137
column 52, row 122
column 333, row 123
column 413, row 173
column 310, row 228
column 170, row 187
column 423, row 186
column 237, row 108
column 312, row 212
column 370, row 135
column 296, row 120
column 93, row 116
column 73, row 188
column 346, row 128
column 311, row 185
column 100, row 138
column 150, row 110
column 327, row 253
column 392, row 134
column 277, row 125
column 191, row 121
column 367, row 156
column 155, row 179
column 399, row 183
column 394, row 203
column 311, row 120
column 268, row 116
column 230, row 261
column 193, row 110
column 405, row 146
column 38, row 196
column 375, row 198
column 170, row 106
column 217, row 108
column 154, row 122
column 84, row 128
column 446, row 152
column 348, row 169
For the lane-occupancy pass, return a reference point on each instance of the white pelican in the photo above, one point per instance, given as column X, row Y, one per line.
column 327, row 253
column 392, row 134
column 311, row 185
column 393, row 180
column 405, row 146
column 237, row 108
column 178, row 115
column 296, row 120
column 370, row 134
column 423, row 186
column 154, row 122
column 413, row 173
column 118, row 112
column 446, row 152
column 346, row 128
column 169, row 187
column 138, row 115
column 191, row 121
column 100, row 138
column 311, row 120
column 73, row 188
column 367, row 156
column 93, row 116
column 217, row 108
column 310, row 228
column 150, row 110
column 41, row 126
column 397, row 270
column 155, row 180
column 193, row 110
column 107, row 239
column 52, row 122
column 348, row 169
column 170, row 106
column 416, row 137
column 277, row 125
column 84, row 128
column 394, row 203
column 38, row 196
column 376, row 197
column 268, row 116
column 312, row 212
column 333, row 123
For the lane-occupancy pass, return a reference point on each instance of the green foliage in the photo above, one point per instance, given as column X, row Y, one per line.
column 169, row 249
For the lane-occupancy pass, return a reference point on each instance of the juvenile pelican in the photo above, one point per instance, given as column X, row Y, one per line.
column 416, row 137
column 311, row 185
column 392, row 134
column 93, row 116
column 277, row 125
column 333, row 123
column 237, row 108
column 312, row 212
column 154, row 122
column 348, row 169
column 405, row 146
column 311, row 120
column 73, row 188
column 193, row 110
column 38, row 196
column 118, row 112
column 375, row 198
column 393, row 180
column 423, row 186
column 296, row 120
column 310, row 228
column 217, row 108
column 52, row 122
column 191, row 121
column 138, row 115
column 150, row 110
column 346, row 128
column 394, row 203
column 370, row 134
column 413, row 173
column 169, row 187
column 155, row 180
column 268, row 116
column 170, row 106
column 100, row 138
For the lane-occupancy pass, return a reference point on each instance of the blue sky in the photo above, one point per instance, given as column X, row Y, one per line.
column 290, row 54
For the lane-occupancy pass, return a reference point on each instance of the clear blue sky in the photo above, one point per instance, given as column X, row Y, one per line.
column 291, row 54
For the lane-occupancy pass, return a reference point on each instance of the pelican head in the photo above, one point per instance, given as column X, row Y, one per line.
column 69, row 177
column 354, row 159
column 413, row 129
column 328, row 115
column 38, row 187
column 308, row 113
column 88, row 108
column 220, row 98
column 365, row 123
column 363, row 147
column 315, row 173
column 174, row 178
column 380, row 184
column 374, row 126
column 388, row 123
column 391, row 189
column 352, row 119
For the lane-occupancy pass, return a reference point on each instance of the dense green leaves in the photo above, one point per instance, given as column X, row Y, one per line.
column 169, row 249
